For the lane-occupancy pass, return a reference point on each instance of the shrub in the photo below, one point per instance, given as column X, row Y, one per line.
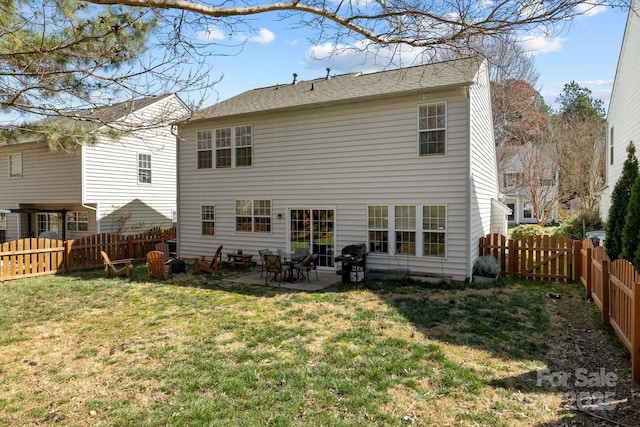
column 486, row 266
column 577, row 225
column 526, row 230
column 619, row 204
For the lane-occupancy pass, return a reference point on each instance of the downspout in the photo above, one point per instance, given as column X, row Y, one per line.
column 469, row 189
column 84, row 189
column 175, row 131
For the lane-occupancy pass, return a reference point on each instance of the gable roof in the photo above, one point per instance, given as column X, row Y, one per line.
column 108, row 114
column 347, row 88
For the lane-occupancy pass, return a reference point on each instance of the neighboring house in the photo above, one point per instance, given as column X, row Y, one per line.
column 623, row 126
column 525, row 170
column 402, row 160
column 125, row 185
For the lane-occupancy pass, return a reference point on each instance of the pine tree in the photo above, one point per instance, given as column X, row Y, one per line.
column 619, row 204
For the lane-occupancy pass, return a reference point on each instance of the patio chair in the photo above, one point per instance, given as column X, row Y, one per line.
column 304, row 267
column 111, row 269
column 263, row 265
column 213, row 267
column 164, row 248
column 273, row 267
column 156, row 265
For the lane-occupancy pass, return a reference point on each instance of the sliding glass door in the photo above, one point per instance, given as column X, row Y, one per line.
column 313, row 229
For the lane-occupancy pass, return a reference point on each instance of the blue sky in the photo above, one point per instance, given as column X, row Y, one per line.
column 586, row 51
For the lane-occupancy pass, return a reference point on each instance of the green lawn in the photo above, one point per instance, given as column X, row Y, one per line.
column 83, row 350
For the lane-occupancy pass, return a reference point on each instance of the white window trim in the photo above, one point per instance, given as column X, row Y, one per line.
column 254, row 216
column 233, row 147
column 202, row 221
column 11, row 156
column 446, row 129
column 69, row 220
column 150, row 169
column 419, row 230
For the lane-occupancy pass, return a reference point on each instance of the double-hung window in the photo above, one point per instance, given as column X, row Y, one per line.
column 419, row 230
column 208, row 220
column 432, row 128
column 225, row 147
column 253, row 216
column 434, row 227
column 205, row 155
column 15, row 165
column 378, row 224
column 405, row 226
column 78, row 221
column 144, row 168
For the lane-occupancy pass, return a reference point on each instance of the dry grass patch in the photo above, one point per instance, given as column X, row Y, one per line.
column 88, row 351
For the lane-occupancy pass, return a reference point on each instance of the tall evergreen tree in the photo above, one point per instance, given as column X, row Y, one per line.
column 632, row 225
column 619, row 204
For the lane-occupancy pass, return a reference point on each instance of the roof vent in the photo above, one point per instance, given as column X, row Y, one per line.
column 295, row 78
column 328, row 76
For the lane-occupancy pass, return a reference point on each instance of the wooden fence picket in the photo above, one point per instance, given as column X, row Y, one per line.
column 35, row 256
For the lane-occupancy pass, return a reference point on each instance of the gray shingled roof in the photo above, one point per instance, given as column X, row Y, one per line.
column 346, row 88
column 105, row 114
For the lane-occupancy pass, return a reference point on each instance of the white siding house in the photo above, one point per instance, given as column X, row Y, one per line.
column 402, row 160
column 125, row 185
column 623, row 126
column 526, row 170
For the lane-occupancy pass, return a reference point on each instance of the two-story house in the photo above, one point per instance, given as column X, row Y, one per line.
column 123, row 186
column 401, row 160
column 528, row 183
column 623, row 126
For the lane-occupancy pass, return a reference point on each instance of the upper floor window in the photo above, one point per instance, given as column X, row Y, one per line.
column 253, row 215
column 205, row 156
column 78, row 221
column 432, row 128
column 208, row 218
column 611, row 146
column 512, row 179
column 15, row 165
column 225, row 147
column 144, row 168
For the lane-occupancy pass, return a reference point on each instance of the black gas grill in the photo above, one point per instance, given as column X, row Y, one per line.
column 354, row 263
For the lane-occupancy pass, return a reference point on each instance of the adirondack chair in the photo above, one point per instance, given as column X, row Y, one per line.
column 156, row 265
column 164, row 248
column 213, row 267
column 111, row 269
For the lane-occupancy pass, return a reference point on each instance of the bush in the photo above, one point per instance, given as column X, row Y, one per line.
column 486, row 266
column 526, row 230
column 577, row 225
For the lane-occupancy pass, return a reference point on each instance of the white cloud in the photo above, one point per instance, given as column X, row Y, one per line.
column 362, row 56
column 211, row 33
column 537, row 45
column 264, row 36
column 589, row 9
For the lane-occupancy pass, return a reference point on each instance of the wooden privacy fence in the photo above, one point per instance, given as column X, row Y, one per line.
column 614, row 286
column 34, row 257
column 30, row 257
column 537, row 258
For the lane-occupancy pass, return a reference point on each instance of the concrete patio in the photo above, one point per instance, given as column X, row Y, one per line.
column 325, row 280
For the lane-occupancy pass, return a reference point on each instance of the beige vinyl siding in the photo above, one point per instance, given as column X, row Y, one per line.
column 47, row 177
column 483, row 163
column 342, row 157
column 624, row 108
column 111, row 178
